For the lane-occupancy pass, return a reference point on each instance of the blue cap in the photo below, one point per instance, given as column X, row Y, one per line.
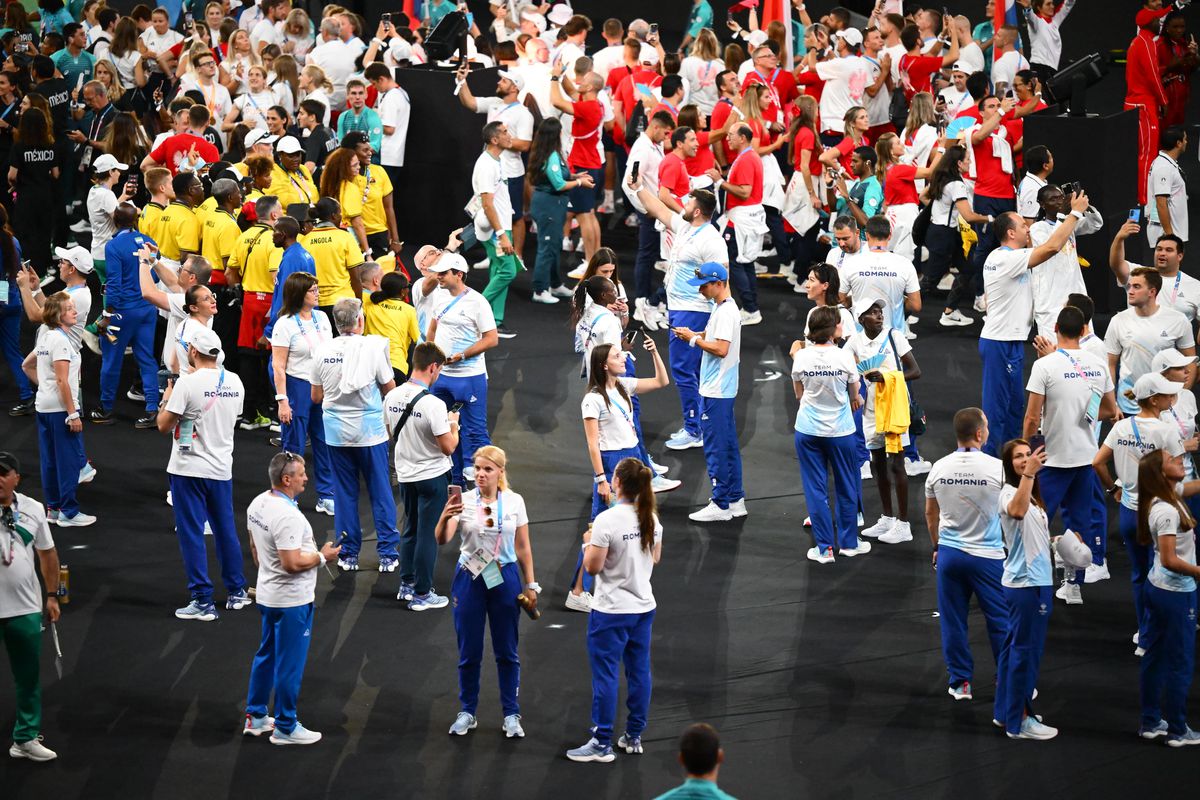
column 707, row 273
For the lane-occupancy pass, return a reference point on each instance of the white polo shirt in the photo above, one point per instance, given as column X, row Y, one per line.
column 20, row 590
column 353, row 418
column 1009, row 290
column 301, row 338
column 394, row 109
column 488, row 178
column 826, row 373
column 1130, row 439
column 54, row 345
column 719, row 376
column 518, row 120
column 418, row 456
column 691, row 246
column 275, row 523
column 1138, row 339
column 614, row 417
column 966, row 485
column 461, row 322
column 1067, row 379
column 1166, row 180
column 882, row 275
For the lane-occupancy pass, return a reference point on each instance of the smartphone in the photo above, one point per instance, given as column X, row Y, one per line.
column 386, row 17
column 632, row 338
column 454, row 409
column 1036, row 441
column 454, row 495
column 653, row 29
column 633, row 172
column 1135, row 215
column 729, row 16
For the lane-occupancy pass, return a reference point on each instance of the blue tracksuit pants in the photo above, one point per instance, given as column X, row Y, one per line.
column 10, row 343
column 1029, row 610
column 1140, row 558
column 722, row 453
column 307, row 424
column 1166, row 668
column 613, row 639
column 195, row 501
column 474, row 604
column 960, row 575
column 279, row 663
column 372, row 464
column 820, row 457
column 423, row 502
column 61, row 455
column 1073, row 491
column 1003, row 391
column 137, row 324
column 685, row 366
column 472, row 392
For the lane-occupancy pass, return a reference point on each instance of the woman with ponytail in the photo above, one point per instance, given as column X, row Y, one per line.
column 624, row 546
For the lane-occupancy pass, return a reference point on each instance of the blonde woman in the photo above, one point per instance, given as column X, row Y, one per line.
column 299, row 35
column 286, row 86
column 753, row 102
column 314, row 85
column 110, row 78
column 239, row 58
column 700, row 70
column 920, row 132
column 251, row 107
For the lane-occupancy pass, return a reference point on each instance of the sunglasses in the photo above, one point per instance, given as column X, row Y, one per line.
column 490, row 521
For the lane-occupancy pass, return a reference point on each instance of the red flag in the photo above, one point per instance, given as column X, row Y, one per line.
column 744, row 5
column 779, row 11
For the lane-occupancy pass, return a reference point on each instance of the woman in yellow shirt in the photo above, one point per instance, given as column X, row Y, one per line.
column 290, row 181
column 387, row 314
column 340, row 180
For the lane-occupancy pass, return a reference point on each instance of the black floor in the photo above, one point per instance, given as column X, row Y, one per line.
column 824, row 681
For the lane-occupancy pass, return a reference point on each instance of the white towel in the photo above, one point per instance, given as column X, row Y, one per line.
column 360, row 361
column 797, row 207
column 772, row 182
column 749, row 228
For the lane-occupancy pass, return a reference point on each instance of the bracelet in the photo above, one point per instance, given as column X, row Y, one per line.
column 324, row 560
column 1077, row 214
column 535, row 586
column 692, row 341
column 74, row 415
column 599, row 479
column 281, row 397
column 51, row 594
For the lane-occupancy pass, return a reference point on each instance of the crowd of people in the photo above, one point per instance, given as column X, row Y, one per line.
column 210, row 191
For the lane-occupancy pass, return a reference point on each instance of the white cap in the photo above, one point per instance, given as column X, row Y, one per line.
column 1153, row 383
column 515, row 77
column 79, row 257
column 756, row 38
column 288, row 144
column 400, row 50
column 258, row 136
column 560, row 14
column 536, row 18
column 207, row 343
column 450, row 261
column 864, row 305
column 1169, row 359
column 1072, row 551
column 961, row 66
column 851, row 36
column 107, row 162
column 497, row 2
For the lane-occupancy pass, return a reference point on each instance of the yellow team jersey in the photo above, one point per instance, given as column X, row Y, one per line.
column 379, row 185
column 221, row 233
column 150, row 221
column 293, row 187
column 350, row 197
column 396, row 320
column 204, row 209
column 180, row 229
column 257, row 259
column 335, row 252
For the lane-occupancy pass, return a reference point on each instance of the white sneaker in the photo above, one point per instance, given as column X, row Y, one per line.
column 1136, row 636
column 469, row 474
column 87, row 474
column 1032, row 729
column 788, row 271
column 80, row 520
column 579, row 602
column 955, row 319
column 577, row 273
column 980, row 304
column 881, row 527
column 912, row 319
column 819, row 556
column 660, row 483
column 914, row 468
column 299, row 735
column 562, row 291
column 751, row 317
column 660, row 313
column 644, row 313
column 661, row 266
column 864, row 471
column 711, row 513
column 568, row 245
column 483, row 264
column 34, row 750
column 862, row 549
column 92, row 341
column 738, row 508
column 1096, row 573
column 910, row 335
column 760, row 268
column 946, row 283
column 544, row 296
column 900, row 532
column 1070, row 593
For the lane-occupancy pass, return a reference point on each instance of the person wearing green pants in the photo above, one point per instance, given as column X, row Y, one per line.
column 493, row 221
column 24, row 532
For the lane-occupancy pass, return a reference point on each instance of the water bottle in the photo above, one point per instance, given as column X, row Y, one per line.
column 533, row 611
column 64, row 584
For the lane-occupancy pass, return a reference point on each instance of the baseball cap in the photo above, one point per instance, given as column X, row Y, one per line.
column 107, row 162
column 961, row 66
column 400, row 50
column 207, row 342
column 497, row 3
column 9, row 463
column 864, row 305
column 79, row 257
column 1169, row 359
column 560, row 14
column 851, row 36
column 537, row 19
column 1072, row 551
column 515, row 77
column 258, row 136
column 1153, row 383
column 289, row 144
column 450, row 261
column 756, row 38
column 708, row 273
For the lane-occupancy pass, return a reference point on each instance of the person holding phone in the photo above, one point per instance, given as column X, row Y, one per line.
column 495, row 568
column 425, row 435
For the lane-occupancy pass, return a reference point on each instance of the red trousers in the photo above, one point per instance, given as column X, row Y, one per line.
column 1147, row 143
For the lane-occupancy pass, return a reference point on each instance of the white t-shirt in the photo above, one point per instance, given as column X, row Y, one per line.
column 719, row 376
column 849, row 326
column 882, row 353
column 54, row 345
column 1183, row 416
column 1055, row 278
column 265, row 33
column 301, row 339
column 1067, row 379
column 518, row 120
column 700, row 76
column 1028, row 542
column 1166, row 179
column 158, row 43
column 623, row 584
column 882, row 275
column 254, row 107
column 966, row 485
column 1006, row 67
column 943, row 211
column 394, row 108
column 496, row 540
column 846, row 80
column 1130, row 439
column 424, row 304
column 597, row 326
column 354, row 418
column 826, row 372
column 615, row 419
column 208, row 402
column 691, row 246
column 336, row 59
column 418, row 456
column 175, row 350
column 1164, row 521
column 488, row 178
column 175, row 315
column 1009, row 291
column 878, row 107
column 955, row 100
column 20, row 591
column 275, row 523
column 970, row 55
column 101, row 203
column 648, row 155
column 1138, row 339
column 609, row 58
column 1182, row 293
column 1027, row 192
column 461, row 322
column 81, row 296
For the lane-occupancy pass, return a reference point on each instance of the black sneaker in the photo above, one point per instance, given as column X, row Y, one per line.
column 101, row 417
column 148, row 421
column 505, row 332
column 22, row 409
column 135, row 394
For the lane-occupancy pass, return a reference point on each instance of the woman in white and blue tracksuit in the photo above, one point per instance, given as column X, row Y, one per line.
column 825, row 379
column 624, row 546
column 54, row 366
column 1028, row 587
column 1166, row 525
column 495, row 567
column 299, row 329
column 1127, row 442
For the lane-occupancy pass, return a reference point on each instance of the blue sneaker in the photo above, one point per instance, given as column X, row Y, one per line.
column 407, row 592
column 257, row 726
column 325, row 506
column 348, row 563
column 205, row 612
column 630, row 744
column 238, row 600
column 592, row 751
column 1188, row 737
column 682, row 440
column 427, row 601
column 87, row 474
column 1154, row 731
column 52, row 515
column 388, row 563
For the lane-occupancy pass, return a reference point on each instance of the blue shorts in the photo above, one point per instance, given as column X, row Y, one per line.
column 516, row 196
column 583, row 199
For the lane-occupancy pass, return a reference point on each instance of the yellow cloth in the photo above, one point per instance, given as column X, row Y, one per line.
column 257, row 259
column 179, row 228
column 891, row 409
column 350, row 198
column 396, row 320
column 204, row 209
column 379, row 185
column 336, row 252
column 150, row 221
column 220, row 236
column 969, row 237
column 293, row 187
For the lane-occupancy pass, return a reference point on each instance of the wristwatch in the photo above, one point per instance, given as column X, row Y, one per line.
column 1112, row 489
column 535, row 587
column 281, row 397
column 599, row 479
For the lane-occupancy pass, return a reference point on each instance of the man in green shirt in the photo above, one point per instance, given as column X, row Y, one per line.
column 74, row 61
column 701, row 755
column 361, row 118
column 700, row 17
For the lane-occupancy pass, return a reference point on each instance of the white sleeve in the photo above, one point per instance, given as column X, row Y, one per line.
column 591, row 406
column 1037, row 378
column 519, row 512
column 281, row 335
column 288, row 533
column 723, row 327
column 178, row 402
column 485, row 320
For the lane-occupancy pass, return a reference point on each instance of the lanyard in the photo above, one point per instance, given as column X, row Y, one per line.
column 10, row 107
column 733, row 166
column 216, row 395
column 438, row 317
column 316, row 329
column 12, row 535
column 499, row 517
column 591, row 328
column 1074, row 363
column 300, row 187
column 1136, row 437
column 770, row 84
column 1179, row 422
column 966, row 449
column 624, row 413
column 1175, row 288
column 283, row 496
